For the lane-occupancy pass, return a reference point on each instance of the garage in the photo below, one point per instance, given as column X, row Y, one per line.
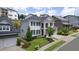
column 7, row 41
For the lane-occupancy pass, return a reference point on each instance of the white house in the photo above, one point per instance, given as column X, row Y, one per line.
column 10, row 13
column 39, row 25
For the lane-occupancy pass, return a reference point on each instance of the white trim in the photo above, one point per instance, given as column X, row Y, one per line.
column 5, row 27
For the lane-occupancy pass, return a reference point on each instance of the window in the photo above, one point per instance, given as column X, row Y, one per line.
column 33, row 32
column 50, row 24
column 36, row 31
column 39, row 31
column 0, row 27
column 42, row 25
column 15, row 15
column 4, row 28
column 31, row 23
column 46, row 25
column 10, row 15
column 39, row 23
column 34, row 23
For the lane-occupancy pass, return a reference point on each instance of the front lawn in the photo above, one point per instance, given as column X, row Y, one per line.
column 40, row 41
column 56, row 45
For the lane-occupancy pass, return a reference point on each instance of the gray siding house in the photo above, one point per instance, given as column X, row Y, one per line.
column 73, row 20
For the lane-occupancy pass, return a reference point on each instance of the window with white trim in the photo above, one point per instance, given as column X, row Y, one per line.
column 4, row 28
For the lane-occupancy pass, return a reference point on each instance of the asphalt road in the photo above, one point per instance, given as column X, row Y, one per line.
column 72, row 46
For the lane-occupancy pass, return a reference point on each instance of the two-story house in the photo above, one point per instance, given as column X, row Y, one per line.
column 39, row 24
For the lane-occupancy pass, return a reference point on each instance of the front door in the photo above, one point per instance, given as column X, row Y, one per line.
column 42, row 32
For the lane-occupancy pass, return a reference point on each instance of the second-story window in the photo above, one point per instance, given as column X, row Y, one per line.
column 42, row 25
column 31, row 23
column 46, row 25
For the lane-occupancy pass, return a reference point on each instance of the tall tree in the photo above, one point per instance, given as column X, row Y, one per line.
column 21, row 16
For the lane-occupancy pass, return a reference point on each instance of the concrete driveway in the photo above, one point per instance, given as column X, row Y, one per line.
column 7, row 41
column 13, row 48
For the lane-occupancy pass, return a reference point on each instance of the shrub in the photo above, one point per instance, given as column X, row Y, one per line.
column 26, row 44
column 37, row 47
column 50, row 40
column 64, row 31
column 50, row 31
column 28, row 35
column 18, row 42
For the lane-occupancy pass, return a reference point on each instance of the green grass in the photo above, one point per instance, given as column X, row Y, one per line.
column 40, row 41
column 56, row 45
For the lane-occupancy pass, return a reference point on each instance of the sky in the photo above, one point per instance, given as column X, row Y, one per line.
column 58, row 11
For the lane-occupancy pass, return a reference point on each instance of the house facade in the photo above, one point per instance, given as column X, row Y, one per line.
column 39, row 25
column 10, row 13
column 73, row 20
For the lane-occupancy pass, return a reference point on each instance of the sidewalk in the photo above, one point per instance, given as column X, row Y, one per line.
column 48, row 45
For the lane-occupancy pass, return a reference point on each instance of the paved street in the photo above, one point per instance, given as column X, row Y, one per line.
column 72, row 46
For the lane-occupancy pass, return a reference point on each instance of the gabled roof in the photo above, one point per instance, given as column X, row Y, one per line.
column 64, row 21
column 61, row 18
column 5, row 18
column 70, row 15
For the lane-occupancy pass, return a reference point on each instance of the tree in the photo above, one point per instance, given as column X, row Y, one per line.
column 50, row 31
column 17, row 24
column 21, row 16
column 28, row 34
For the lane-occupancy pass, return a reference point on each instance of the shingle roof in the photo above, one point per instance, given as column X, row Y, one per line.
column 13, row 29
column 5, row 18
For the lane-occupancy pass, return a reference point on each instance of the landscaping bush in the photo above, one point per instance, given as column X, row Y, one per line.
column 37, row 47
column 64, row 31
column 50, row 40
column 18, row 42
column 50, row 31
column 28, row 35
column 26, row 44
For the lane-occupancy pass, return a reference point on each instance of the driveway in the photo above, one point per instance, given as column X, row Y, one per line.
column 72, row 46
column 13, row 48
column 7, row 41
column 65, row 38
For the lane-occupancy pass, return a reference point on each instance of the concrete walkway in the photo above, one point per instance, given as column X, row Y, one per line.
column 12, row 48
column 65, row 38
column 48, row 45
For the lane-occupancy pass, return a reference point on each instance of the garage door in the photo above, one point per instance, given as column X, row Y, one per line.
column 7, row 42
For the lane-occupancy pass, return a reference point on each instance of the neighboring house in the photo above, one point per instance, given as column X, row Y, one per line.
column 39, row 25
column 6, row 27
column 8, row 33
column 73, row 20
column 10, row 13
